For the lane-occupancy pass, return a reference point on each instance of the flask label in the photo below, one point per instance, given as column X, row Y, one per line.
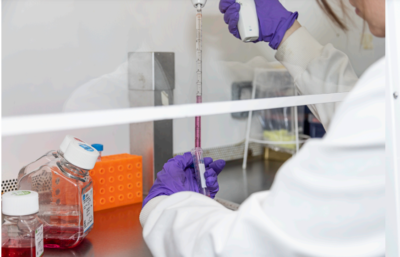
column 39, row 241
column 86, row 147
column 202, row 169
column 87, row 206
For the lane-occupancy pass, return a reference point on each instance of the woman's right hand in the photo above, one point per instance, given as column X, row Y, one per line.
column 178, row 175
column 274, row 20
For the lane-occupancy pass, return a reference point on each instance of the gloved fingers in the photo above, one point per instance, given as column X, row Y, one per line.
column 225, row 4
column 207, row 161
column 218, row 166
column 211, row 178
column 232, row 13
column 212, row 182
column 185, row 160
column 180, row 161
column 231, row 18
column 191, row 180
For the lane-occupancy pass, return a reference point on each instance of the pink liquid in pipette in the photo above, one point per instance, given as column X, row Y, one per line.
column 198, row 126
column 199, row 82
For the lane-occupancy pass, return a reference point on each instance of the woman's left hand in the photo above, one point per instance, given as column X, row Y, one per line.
column 178, row 175
column 274, row 20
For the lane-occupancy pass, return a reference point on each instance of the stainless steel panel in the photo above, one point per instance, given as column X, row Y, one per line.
column 139, row 98
column 151, row 83
column 163, row 144
column 142, row 143
column 164, row 71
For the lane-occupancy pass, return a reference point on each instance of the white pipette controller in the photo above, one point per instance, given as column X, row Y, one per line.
column 202, row 3
column 248, row 21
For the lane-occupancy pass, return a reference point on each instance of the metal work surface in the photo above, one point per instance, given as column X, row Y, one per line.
column 117, row 232
column 235, row 185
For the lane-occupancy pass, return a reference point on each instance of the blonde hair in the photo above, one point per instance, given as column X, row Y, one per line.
column 340, row 22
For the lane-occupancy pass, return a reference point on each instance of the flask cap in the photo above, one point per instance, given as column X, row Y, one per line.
column 81, row 154
column 20, row 203
column 65, row 143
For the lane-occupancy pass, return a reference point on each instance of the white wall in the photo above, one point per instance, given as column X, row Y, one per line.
column 51, row 48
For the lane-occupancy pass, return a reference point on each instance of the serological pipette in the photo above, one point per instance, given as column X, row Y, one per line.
column 199, row 71
column 197, row 152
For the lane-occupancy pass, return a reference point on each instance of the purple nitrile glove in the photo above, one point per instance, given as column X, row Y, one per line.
column 178, row 175
column 274, row 20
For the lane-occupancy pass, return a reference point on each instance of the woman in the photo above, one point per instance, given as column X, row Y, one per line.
column 328, row 200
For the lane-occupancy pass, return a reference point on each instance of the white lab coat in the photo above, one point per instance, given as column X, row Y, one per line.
column 328, row 200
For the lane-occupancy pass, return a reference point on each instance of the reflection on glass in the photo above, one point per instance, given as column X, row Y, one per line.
column 279, row 125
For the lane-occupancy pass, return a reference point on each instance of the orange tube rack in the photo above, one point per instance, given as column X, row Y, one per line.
column 117, row 181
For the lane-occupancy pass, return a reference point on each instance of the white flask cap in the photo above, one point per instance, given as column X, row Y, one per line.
column 202, row 2
column 20, row 203
column 65, row 143
column 81, row 154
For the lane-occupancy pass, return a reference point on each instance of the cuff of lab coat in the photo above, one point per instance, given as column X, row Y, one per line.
column 298, row 51
column 149, row 207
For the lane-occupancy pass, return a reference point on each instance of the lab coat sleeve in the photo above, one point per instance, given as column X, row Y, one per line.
column 187, row 224
column 146, row 210
column 317, row 69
